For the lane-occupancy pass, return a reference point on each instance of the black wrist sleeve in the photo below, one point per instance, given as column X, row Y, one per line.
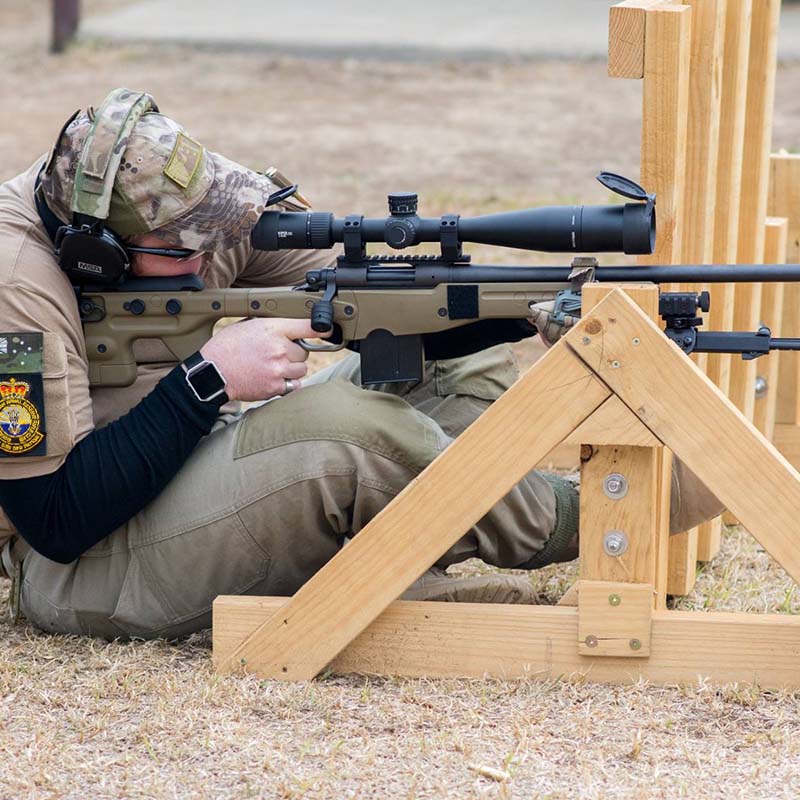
column 110, row 475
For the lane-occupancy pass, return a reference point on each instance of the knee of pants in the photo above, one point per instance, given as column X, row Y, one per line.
column 341, row 412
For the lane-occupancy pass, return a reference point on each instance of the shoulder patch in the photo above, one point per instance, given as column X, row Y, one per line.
column 184, row 161
column 22, row 428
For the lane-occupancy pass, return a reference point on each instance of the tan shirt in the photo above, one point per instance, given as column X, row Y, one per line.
column 35, row 295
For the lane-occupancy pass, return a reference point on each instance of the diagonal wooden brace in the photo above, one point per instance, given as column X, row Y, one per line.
column 555, row 396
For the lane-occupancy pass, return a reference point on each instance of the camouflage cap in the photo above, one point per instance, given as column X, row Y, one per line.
column 167, row 184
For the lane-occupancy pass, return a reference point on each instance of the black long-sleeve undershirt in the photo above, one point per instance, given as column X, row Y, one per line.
column 111, row 474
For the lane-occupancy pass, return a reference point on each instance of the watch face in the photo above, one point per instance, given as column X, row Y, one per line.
column 206, row 381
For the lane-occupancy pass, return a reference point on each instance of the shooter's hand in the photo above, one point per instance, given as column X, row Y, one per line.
column 550, row 328
column 258, row 356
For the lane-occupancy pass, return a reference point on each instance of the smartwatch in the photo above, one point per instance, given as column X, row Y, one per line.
column 205, row 380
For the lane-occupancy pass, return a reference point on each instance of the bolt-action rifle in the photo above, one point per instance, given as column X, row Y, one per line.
column 397, row 310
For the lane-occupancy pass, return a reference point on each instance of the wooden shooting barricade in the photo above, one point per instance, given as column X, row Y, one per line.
column 628, row 398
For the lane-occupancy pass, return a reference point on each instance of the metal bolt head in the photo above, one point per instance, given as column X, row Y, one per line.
column 615, row 486
column 636, row 341
column 615, row 365
column 614, row 599
column 586, row 340
column 635, row 644
column 615, row 543
column 761, row 386
column 590, row 641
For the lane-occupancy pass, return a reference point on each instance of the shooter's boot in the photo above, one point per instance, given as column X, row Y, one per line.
column 436, row 584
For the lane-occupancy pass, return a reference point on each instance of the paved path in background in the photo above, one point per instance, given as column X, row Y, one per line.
column 411, row 28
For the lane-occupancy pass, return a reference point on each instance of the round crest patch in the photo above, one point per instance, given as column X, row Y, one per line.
column 19, row 418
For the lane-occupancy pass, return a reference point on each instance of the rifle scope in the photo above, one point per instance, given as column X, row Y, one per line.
column 628, row 228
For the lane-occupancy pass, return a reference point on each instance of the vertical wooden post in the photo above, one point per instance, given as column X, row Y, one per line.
column 784, row 201
column 665, row 97
column 633, row 511
column 775, row 245
column 755, row 176
column 705, row 88
column 729, row 178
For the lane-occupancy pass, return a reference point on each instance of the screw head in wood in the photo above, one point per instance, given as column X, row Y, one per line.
column 615, row 365
column 635, row 644
column 586, row 340
column 761, row 386
column 636, row 341
column 590, row 641
column 614, row 599
column 615, row 486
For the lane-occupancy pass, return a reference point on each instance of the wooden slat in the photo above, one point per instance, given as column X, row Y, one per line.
column 784, row 201
column 708, row 434
column 635, row 515
column 614, row 619
column 775, row 244
column 709, row 539
column 416, row 639
column 755, row 176
column 702, row 142
column 729, row 174
column 665, row 105
column 431, row 513
column 683, row 558
column 705, row 86
column 626, row 37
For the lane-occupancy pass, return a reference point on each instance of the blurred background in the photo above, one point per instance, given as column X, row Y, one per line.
column 477, row 107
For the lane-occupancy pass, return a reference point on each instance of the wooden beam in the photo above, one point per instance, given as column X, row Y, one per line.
column 702, row 141
column 700, row 187
column 665, row 99
column 729, row 174
column 775, row 244
column 755, row 177
column 626, row 37
column 654, row 379
column 784, row 201
column 395, row 548
column 635, row 515
column 443, row 640
column 613, row 424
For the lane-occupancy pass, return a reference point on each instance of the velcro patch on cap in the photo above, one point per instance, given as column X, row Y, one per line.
column 184, row 161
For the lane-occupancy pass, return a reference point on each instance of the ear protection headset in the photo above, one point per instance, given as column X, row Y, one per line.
column 86, row 250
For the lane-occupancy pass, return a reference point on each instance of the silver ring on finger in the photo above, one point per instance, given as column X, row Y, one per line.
column 290, row 385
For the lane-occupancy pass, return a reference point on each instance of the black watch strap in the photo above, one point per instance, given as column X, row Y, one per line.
column 205, row 380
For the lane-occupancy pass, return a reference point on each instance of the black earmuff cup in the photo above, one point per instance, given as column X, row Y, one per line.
column 89, row 257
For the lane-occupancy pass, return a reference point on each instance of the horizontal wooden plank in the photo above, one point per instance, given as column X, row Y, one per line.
column 470, row 640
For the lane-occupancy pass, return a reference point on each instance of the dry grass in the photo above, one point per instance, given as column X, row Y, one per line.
column 81, row 718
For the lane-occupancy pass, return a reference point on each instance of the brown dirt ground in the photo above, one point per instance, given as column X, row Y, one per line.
column 81, row 718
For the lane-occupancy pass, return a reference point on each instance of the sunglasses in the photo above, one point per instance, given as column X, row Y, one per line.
column 181, row 253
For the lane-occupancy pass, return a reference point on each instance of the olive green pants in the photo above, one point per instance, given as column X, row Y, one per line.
column 266, row 499
column 270, row 496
